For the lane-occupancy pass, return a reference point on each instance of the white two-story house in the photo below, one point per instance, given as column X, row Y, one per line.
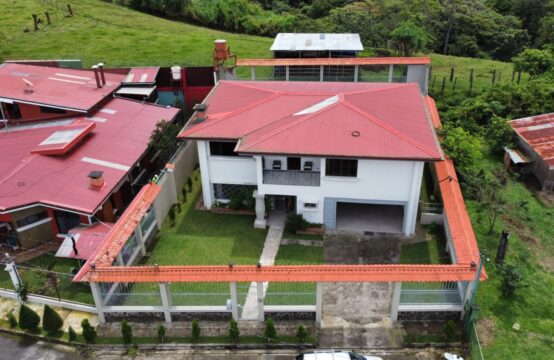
column 348, row 155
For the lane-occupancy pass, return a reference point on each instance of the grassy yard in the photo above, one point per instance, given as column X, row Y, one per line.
column 203, row 238
column 431, row 251
column 530, row 248
column 32, row 273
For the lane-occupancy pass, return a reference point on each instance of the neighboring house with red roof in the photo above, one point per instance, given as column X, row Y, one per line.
column 348, row 155
column 73, row 154
column 536, row 139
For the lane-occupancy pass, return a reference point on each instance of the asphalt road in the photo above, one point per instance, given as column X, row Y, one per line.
column 16, row 348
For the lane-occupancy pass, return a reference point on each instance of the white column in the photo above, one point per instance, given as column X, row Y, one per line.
column 318, row 302
column 166, row 301
column 395, row 301
column 252, row 73
column 260, row 222
column 205, row 173
column 410, row 217
column 287, row 73
column 355, row 73
column 119, row 259
column 321, row 73
column 260, row 295
column 140, row 239
column 234, row 301
column 391, row 70
column 426, row 81
column 466, row 296
column 98, row 301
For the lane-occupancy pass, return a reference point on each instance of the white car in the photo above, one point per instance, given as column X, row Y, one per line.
column 335, row 355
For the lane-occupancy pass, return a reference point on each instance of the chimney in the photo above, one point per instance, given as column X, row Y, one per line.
column 96, row 179
column 97, row 75
column 102, row 76
column 200, row 111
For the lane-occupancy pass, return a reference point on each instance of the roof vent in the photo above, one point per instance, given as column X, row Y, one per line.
column 355, row 133
column 28, row 86
column 200, row 112
column 96, row 178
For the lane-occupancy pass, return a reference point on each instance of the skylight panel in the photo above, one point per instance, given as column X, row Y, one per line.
column 321, row 105
column 61, row 137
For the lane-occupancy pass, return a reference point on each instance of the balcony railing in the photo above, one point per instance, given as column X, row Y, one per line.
column 292, row 177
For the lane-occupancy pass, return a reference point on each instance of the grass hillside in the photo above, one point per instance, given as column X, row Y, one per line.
column 119, row 36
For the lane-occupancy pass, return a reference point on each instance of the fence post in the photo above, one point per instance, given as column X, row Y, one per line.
column 234, row 301
column 260, row 294
column 287, row 73
column 318, row 302
column 356, row 73
column 140, row 238
column 252, row 73
column 321, row 72
column 451, row 74
column 166, row 301
column 395, row 301
column 391, row 71
column 443, row 84
column 98, row 301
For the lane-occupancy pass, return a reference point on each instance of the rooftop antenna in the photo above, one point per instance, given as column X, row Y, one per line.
column 28, row 86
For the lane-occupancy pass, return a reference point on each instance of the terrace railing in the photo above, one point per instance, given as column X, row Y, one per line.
column 292, row 177
column 422, row 296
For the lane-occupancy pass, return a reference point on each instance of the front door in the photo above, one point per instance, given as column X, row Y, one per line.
column 293, row 163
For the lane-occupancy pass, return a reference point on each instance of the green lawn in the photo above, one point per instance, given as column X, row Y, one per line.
column 203, row 238
column 530, row 248
column 37, row 281
column 427, row 252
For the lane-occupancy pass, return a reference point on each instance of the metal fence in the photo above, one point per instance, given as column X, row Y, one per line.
column 427, row 293
column 474, row 345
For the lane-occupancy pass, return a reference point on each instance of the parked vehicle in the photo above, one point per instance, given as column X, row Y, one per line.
column 335, row 355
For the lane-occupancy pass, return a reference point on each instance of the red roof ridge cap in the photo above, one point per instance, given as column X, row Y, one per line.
column 390, row 86
column 244, row 84
column 389, row 128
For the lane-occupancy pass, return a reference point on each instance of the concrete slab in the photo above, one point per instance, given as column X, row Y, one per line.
column 370, row 218
column 352, row 248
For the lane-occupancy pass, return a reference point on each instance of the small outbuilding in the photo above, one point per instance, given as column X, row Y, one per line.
column 316, row 45
column 536, row 140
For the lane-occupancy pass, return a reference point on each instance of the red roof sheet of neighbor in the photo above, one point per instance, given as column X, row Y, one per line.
column 141, row 75
column 538, row 132
column 120, row 135
column 365, row 120
column 87, row 240
column 66, row 88
column 336, row 61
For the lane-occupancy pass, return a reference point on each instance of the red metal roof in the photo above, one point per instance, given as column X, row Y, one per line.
column 365, row 120
column 65, row 88
column 57, row 144
column 87, row 240
column 120, row 137
column 538, row 132
column 141, row 75
column 336, row 61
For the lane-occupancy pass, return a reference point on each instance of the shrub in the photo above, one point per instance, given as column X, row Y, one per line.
column 184, row 193
column 21, row 291
column 449, row 330
column 269, row 332
column 179, row 208
column 189, row 183
column 126, row 332
column 533, row 61
column 171, row 215
column 12, row 320
column 51, row 320
column 234, row 331
column 89, row 332
column 236, row 200
column 161, row 334
column 512, row 279
column 195, row 331
column 295, row 222
column 71, row 334
column 133, row 351
column 301, row 334
column 28, row 319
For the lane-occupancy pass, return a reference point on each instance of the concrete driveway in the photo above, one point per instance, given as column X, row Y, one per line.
column 358, row 314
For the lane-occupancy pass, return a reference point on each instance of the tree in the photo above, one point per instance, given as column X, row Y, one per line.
column 28, row 319
column 195, row 331
column 464, row 148
column 450, row 11
column 499, row 134
column 126, row 332
column 512, row 279
column 71, row 334
column 269, row 332
column 533, row 61
column 164, row 139
column 12, row 320
column 409, row 38
column 51, row 320
column 234, row 331
column 89, row 332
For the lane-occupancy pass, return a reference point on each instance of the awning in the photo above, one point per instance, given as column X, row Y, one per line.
column 517, row 156
column 86, row 238
column 133, row 90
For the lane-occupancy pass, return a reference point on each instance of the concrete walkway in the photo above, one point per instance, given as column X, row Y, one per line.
column 271, row 247
column 70, row 317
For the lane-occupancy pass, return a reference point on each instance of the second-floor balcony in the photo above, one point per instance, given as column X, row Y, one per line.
column 292, row 177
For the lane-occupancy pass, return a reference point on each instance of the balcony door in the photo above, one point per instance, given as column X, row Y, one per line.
column 293, row 163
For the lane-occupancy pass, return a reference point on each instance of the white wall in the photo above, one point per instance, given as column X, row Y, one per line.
column 268, row 160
